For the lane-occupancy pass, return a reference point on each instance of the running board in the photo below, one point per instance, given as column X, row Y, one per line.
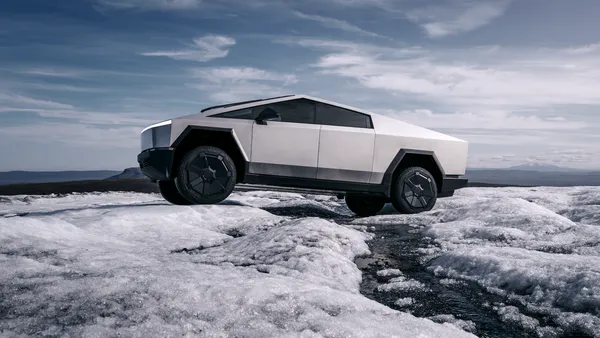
column 258, row 187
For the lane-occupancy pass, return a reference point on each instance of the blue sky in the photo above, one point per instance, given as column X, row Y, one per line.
column 518, row 79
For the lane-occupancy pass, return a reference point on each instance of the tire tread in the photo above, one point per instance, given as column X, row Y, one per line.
column 189, row 195
column 398, row 201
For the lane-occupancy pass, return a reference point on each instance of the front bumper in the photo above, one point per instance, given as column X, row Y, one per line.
column 450, row 184
column 157, row 163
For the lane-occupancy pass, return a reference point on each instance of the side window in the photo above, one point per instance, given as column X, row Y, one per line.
column 296, row 111
column 336, row 116
column 244, row 114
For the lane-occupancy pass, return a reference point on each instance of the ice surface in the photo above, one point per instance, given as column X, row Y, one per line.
column 24, row 203
column 94, row 265
column 401, row 283
column 538, row 247
column 406, row 301
column 466, row 325
column 389, row 272
column 132, row 264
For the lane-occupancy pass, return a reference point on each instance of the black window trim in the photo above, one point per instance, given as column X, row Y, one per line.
column 222, row 115
column 314, row 110
column 369, row 119
column 227, row 105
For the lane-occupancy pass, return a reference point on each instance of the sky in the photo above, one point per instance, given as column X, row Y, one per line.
column 519, row 80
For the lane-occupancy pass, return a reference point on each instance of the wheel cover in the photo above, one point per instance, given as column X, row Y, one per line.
column 208, row 175
column 418, row 190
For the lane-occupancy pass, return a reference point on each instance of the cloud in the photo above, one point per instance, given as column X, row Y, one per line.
column 59, row 87
column 17, row 83
column 466, row 78
column 346, row 48
column 150, row 4
column 203, row 49
column 590, row 48
column 488, row 120
column 437, row 18
column 456, row 16
column 53, row 72
column 237, row 74
column 528, row 100
column 79, row 135
column 335, row 24
column 239, row 91
column 25, row 100
column 360, row 3
column 229, row 84
column 82, row 72
column 566, row 157
column 87, row 117
column 571, row 157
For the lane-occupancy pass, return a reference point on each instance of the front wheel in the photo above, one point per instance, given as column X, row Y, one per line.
column 364, row 205
column 414, row 190
column 206, row 175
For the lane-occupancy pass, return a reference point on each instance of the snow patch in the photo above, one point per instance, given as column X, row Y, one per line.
column 389, row 273
column 404, row 302
column 312, row 249
column 114, row 264
column 466, row 325
column 401, row 284
column 538, row 247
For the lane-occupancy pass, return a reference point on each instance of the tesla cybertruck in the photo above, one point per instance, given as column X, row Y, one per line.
column 298, row 141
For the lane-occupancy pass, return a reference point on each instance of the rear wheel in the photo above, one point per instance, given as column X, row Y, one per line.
column 169, row 192
column 206, row 175
column 364, row 205
column 414, row 190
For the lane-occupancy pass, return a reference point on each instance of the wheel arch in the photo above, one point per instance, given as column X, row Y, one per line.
column 413, row 157
column 224, row 138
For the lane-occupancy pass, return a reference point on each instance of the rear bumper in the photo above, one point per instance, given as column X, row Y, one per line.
column 156, row 163
column 450, row 184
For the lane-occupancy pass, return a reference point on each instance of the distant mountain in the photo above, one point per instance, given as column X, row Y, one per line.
column 530, row 177
column 129, row 173
column 522, row 175
column 144, row 186
column 14, row 177
column 537, row 167
column 545, row 168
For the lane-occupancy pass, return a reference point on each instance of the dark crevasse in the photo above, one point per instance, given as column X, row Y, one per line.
column 397, row 247
column 464, row 303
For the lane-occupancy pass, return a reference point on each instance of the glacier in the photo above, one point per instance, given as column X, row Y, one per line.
column 103, row 264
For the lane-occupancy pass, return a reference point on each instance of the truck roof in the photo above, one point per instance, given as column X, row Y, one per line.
column 233, row 104
column 252, row 103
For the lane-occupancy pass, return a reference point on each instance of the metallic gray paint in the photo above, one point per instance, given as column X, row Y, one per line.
column 342, row 175
column 281, row 170
column 287, row 144
column 345, row 149
column 354, row 176
column 330, row 154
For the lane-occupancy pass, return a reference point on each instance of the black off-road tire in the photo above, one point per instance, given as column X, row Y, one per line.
column 169, row 192
column 206, row 175
column 364, row 205
column 413, row 191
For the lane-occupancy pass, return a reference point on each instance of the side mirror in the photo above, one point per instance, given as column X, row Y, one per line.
column 267, row 114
